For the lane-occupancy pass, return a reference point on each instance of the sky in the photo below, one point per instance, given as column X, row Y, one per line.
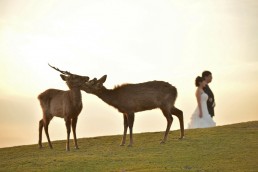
column 130, row 42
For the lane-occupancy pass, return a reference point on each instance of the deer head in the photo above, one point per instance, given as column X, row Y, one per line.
column 72, row 80
column 94, row 85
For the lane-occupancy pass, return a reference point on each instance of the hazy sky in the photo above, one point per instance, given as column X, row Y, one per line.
column 131, row 42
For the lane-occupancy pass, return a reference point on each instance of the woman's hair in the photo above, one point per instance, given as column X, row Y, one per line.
column 198, row 80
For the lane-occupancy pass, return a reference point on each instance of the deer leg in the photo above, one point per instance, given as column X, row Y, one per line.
column 46, row 123
column 74, row 122
column 41, row 124
column 125, row 130
column 130, row 118
column 179, row 114
column 68, row 128
column 169, row 123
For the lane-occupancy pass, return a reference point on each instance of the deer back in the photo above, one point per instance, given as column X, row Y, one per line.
column 61, row 103
column 138, row 97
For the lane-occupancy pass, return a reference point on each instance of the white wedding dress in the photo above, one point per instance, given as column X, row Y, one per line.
column 206, row 120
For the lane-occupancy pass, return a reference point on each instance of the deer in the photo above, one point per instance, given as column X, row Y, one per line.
column 131, row 98
column 63, row 104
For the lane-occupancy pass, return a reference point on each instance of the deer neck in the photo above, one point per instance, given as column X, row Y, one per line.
column 76, row 96
column 108, row 96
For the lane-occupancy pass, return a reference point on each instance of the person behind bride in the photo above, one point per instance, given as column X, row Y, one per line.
column 201, row 117
column 207, row 76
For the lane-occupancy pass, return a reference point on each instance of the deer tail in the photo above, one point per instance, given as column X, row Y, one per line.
column 44, row 99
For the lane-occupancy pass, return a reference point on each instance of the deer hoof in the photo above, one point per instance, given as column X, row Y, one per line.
column 122, row 144
column 162, row 142
column 130, row 145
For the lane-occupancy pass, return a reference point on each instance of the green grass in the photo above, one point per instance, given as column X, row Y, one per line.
column 225, row 148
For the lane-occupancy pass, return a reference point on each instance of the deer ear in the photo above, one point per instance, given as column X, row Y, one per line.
column 91, row 82
column 103, row 79
column 63, row 77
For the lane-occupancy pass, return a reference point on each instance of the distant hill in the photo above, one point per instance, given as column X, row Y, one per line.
column 223, row 148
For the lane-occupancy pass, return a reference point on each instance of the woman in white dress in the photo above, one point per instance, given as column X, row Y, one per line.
column 201, row 117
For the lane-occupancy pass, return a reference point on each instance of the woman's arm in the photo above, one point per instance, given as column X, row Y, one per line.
column 198, row 97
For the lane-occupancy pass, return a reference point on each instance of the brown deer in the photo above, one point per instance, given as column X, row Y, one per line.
column 63, row 104
column 132, row 98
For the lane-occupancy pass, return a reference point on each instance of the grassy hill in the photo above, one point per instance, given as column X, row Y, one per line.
column 224, row 148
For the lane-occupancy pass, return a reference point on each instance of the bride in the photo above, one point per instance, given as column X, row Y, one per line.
column 201, row 117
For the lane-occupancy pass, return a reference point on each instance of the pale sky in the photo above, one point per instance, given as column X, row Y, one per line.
column 131, row 42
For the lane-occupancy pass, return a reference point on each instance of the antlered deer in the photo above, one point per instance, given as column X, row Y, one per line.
column 63, row 104
column 132, row 98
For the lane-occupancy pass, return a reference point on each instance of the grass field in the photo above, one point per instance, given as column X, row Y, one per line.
column 224, row 148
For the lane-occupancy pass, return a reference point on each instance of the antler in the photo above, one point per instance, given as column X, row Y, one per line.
column 63, row 72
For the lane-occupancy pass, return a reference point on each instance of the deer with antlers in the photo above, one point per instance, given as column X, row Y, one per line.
column 63, row 104
column 132, row 98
